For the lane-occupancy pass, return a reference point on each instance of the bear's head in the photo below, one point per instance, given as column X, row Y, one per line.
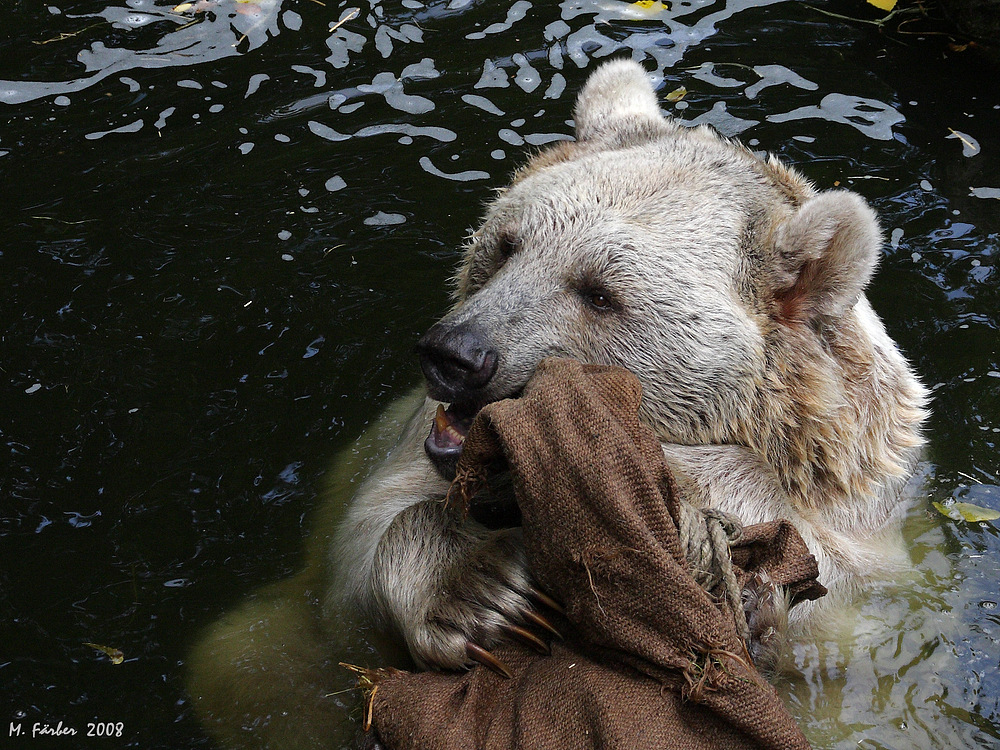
column 729, row 285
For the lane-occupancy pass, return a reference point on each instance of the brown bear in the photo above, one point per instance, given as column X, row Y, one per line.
column 732, row 289
column 729, row 285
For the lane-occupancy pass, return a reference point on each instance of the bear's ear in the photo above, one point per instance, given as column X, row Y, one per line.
column 827, row 253
column 618, row 105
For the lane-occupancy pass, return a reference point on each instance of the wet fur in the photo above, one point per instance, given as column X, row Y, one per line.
column 736, row 293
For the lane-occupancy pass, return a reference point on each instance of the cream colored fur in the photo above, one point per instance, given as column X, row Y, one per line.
column 737, row 299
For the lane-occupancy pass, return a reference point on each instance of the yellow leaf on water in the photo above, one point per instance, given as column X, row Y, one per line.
column 967, row 512
column 885, row 5
column 183, row 7
column 116, row 656
column 676, row 95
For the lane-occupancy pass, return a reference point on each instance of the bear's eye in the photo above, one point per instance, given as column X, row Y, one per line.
column 598, row 299
column 506, row 247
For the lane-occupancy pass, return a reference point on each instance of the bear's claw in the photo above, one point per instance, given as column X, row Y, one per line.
column 536, row 619
column 528, row 638
column 765, row 606
column 482, row 656
column 542, row 598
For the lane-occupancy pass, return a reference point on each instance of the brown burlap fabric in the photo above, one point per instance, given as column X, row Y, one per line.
column 650, row 660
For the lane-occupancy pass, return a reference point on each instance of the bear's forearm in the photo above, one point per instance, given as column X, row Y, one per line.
column 405, row 478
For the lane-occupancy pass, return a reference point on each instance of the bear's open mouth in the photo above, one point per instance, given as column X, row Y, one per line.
column 448, row 431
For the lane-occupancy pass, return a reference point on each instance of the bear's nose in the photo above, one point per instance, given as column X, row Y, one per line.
column 456, row 361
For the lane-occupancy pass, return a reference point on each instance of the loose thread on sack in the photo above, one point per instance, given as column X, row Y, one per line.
column 467, row 482
column 368, row 682
column 706, row 671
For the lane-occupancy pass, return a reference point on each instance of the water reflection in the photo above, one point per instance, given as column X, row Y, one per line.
column 917, row 665
column 201, row 32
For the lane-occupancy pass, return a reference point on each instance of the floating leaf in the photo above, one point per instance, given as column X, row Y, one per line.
column 198, row 6
column 967, row 512
column 886, row 5
column 677, row 94
column 116, row 656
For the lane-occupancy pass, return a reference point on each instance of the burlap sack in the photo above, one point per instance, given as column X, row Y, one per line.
column 649, row 660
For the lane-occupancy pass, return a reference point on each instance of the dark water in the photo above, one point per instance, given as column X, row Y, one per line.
column 221, row 241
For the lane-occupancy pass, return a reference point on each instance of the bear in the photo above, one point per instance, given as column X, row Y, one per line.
column 728, row 285
column 724, row 281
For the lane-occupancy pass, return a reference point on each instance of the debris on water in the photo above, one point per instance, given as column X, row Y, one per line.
column 116, row 656
column 966, row 512
column 348, row 15
column 650, row 6
column 68, row 34
column 970, row 146
column 677, row 94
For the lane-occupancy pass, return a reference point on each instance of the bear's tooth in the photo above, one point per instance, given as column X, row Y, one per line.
column 456, row 437
column 441, row 419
